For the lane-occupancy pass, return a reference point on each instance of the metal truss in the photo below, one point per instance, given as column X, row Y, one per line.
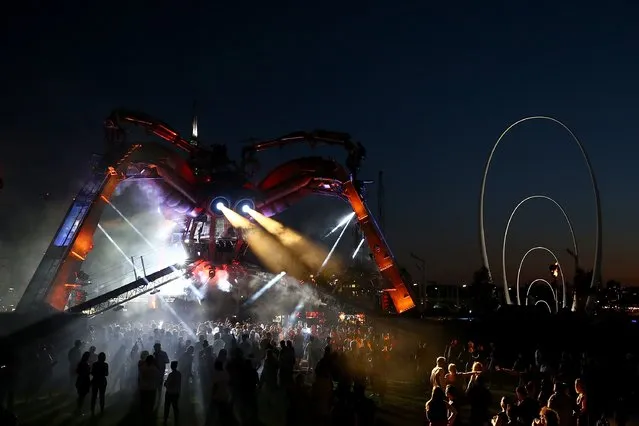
column 127, row 292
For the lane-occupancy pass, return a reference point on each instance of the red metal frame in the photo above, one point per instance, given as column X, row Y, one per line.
column 283, row 186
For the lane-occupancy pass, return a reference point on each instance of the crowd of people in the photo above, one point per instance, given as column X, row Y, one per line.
column 247, row 373
column 237, row 373
column 553, row 387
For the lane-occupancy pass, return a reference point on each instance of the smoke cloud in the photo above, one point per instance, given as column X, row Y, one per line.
column 281, row 299
column 26, row 239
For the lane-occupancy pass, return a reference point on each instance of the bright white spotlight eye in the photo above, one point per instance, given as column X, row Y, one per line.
column 219, row 206
column 245, row 208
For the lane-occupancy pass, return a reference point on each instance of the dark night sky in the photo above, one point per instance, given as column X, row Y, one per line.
column 427, row 89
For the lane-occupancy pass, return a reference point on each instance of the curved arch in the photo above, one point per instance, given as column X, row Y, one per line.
column 541, row 280
column 521, row 264
column 545, row 303
column 505, row 239
column 596, row 270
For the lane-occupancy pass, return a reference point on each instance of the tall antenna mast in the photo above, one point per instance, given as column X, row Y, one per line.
column 194, row 133
column 380, row 200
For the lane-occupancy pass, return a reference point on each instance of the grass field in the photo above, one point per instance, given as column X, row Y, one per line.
column 403, row 404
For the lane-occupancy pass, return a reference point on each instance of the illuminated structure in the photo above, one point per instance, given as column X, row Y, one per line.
column 505, row 239
column 542, row 281
column 559, row 272
column 193, row 186
column 596, row 269
column 543, row 302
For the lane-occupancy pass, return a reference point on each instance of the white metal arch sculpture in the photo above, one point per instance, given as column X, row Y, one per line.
column 596, row 269
column 543, row 281
column 561, row 272
column 505, row 240
column 545, row 303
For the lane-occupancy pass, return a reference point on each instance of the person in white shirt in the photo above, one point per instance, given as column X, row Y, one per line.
column 438, row 375
column 218, row 344
column 173, row 385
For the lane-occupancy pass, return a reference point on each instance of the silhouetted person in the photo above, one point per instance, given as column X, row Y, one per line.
column 479, row 398
column 93, row 357
column 186, row 364
column 561, row 402
column 286, row 363
column 149, row 376
column 161, row 360
column 173, row 385
column 83, row 379
column 99, row 371
column 73, row 357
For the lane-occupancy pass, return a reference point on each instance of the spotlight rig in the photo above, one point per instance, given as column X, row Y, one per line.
column 218, row 204
column 244, row 205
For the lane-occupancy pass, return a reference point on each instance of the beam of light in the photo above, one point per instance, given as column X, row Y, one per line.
column 265, row 287
column 166, row 230
column 330, row 253
column 293, row 316
column 117, row 247
column 359, row 246
column 181, row 256
column 272, row 253
column 341, row 223
column 309, row 253
column 135, row 229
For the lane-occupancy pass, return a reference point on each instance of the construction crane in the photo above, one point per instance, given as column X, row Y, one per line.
column 575, row 258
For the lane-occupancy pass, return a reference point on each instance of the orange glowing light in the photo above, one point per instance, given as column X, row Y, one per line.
column 78, row 256
column 83, row 243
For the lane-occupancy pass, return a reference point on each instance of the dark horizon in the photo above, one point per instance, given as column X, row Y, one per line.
column 427, row 90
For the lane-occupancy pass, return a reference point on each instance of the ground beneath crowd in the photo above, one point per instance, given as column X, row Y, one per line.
column 403, row 405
